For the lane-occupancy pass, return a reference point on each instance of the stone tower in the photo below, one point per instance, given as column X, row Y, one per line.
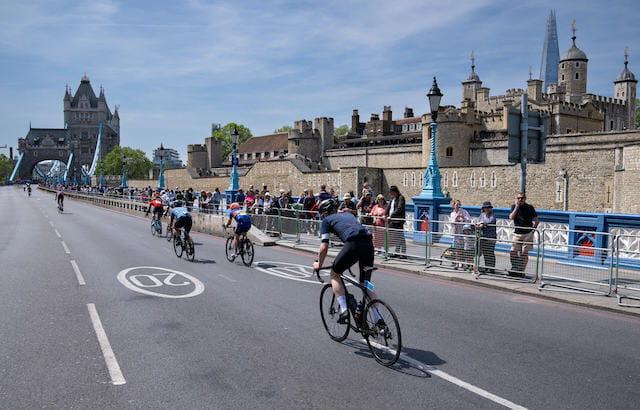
column 625, row 89
column 573, row 71
column 550, row 53
column 472, row 84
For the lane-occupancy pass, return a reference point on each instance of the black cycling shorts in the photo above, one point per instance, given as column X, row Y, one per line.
column 358, row 249
column 184, row 222
column 158, row 211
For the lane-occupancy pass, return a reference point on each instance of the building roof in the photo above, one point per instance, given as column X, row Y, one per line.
column 574, row 53
column 626, row 74
column 409, row 120
column 85, row 89
column 265, row 143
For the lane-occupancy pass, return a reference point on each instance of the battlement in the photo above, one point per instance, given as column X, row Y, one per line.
column 606, row 100
column 196, row 148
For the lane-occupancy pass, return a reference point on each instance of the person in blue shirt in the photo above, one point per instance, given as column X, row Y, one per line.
column 243, row 224
column 358, row 247
column 180, row 218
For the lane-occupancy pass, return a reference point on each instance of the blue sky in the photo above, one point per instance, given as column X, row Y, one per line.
column 174, row 67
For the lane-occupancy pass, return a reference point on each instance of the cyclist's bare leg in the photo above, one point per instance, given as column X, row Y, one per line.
column 336, row 284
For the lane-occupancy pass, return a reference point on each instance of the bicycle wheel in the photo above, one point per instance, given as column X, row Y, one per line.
column 177, row 246
column 169, row 233
column 382, row 332
column 228, row 249
column 330, row 311
column 247, row 254
column 154, row 229
column 191, row 251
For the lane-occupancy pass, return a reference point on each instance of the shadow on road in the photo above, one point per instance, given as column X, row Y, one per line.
column 204, row 261
column 412, row 362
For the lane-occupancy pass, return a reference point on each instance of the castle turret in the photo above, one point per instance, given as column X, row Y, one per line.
column 625, row 89
column 472, row 84
column 573, row 71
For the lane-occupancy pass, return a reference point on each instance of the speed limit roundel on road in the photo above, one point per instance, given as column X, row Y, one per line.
column 160, row 282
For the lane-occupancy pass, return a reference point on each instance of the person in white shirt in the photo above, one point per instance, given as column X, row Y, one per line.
column 458, row 218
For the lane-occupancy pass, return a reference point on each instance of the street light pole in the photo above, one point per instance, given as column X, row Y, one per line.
column 123, row 181
column 235, row 177
column 431, row 184
column 161, row 175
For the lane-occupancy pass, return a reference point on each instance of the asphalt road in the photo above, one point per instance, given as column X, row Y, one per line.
column 247, row 339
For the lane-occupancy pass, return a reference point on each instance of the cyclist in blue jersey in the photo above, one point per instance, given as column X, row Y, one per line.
column 180, row 218
column 243, row 223
column 358, row 247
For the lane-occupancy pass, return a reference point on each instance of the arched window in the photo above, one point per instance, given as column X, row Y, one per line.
column 405, row 179
column 494, row 180
column 577, row 76
column 445, row 179
column 562, row 65
column 449, row 152
column 413, row 179
column 483, row 180
column 454, row 179
column 472, row 179
column 577, row 63
column 562, row 77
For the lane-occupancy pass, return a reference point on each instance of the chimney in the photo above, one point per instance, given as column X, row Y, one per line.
column 374, row 117
column 386, row 113
column 408, row 112
column 355, row 121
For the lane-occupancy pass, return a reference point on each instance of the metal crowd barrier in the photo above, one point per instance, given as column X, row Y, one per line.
column 586, row 264
column 627, row 282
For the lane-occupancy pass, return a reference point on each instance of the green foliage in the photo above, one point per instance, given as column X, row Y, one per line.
column 137, row 164
column 284, row 128
column 342, row 130
column 224, row 135
column 6, row 166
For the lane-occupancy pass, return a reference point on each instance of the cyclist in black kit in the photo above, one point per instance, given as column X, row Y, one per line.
column 358, row 247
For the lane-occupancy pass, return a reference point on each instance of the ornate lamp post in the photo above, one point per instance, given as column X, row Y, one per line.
column 123, row 181
column 161, row 174
column 235, row 177
column 431, row 185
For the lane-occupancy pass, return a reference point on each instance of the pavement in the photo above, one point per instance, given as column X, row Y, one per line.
column 130, row 325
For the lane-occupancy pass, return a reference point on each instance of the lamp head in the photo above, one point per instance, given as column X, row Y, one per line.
column 434, row 95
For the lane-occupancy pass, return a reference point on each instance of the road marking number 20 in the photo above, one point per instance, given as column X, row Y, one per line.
column 177, row 284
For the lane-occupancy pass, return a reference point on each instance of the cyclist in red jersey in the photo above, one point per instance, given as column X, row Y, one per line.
column 156, row 205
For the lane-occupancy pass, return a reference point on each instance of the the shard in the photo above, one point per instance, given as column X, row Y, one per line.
column 550, row 53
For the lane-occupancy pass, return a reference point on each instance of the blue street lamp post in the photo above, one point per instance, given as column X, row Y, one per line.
column 123, row 181
column 232, row 191
column 161, row 174
column 426, row 204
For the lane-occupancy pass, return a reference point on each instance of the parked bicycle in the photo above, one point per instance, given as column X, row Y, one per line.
column 245, row 248
column 184, row 244
column 372, row 318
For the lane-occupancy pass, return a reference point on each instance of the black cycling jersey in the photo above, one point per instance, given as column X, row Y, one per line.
column 344, row 225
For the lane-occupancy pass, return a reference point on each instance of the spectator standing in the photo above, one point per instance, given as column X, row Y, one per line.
column 366, row 187
column 525, row 219
column 488, row 236
column 189, row 198
column 396, row 214
column 239, row 197
column 364, row 206
column 216, row 199
column 378, row 213
column 347, row 205
column 203, row 202
column 458, row 218
column 323, row 194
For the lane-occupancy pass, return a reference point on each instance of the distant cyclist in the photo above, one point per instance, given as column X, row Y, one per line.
column 60, row 199
column 358, row 247
column 29, row 189
column 243, row 224
column 180, row 218
column 156, row 206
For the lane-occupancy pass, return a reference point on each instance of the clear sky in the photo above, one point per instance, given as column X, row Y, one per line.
column 174, row 67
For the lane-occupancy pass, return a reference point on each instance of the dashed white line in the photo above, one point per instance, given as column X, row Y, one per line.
column 66, row 248
column 460, row 383
column 58, row 233
column 227, row 278
column 109, row 357
column 76, row 269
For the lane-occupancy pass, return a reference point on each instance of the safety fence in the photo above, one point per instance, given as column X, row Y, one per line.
column 559, row 259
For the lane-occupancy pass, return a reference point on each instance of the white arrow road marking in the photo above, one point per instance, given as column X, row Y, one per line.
column 109, row 357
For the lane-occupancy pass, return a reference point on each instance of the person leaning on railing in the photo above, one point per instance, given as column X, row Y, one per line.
column 488, row 236
column 378, row 212
column 458, row 218
column 525, row 219
column 396, row 213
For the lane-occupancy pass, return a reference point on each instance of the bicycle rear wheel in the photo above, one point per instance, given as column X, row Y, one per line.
column 190, row 249
column 382, row 332
column 177, row 246
column 154, row 228
column 247, row 254
column 169, row 233
column 330, row 311
column 228, row 249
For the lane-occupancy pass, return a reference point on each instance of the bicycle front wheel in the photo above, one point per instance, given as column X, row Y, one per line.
column 330, row 311
column 247, row 254
column 382, row 332
column 228, row 249
column 191, row 251
column 177, row 247
column 169, row 233
column 154, row 229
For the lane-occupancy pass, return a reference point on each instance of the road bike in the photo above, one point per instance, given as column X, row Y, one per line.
column 372, row 318
column 60, row 208
column 156, row 226
column 184, row 244
column 245, row 248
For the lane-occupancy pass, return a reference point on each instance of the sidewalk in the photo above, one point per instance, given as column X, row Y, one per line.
column 608, row 303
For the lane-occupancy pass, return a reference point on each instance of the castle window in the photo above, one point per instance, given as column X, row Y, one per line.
column 562, row 67
column 454, row 179
column 297, row 143
column 446, row 179
column 405, row 179
column 494, row 180
column 577, row 63
column 577, row 76
column 413, row 179
column 483, row 180
column 611, row 125
column 472, row 180
column 562, row 77
column 449, row 152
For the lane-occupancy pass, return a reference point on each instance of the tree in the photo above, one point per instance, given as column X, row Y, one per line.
column 6, row 166
column 224, row 135
column 137, row 165
column 284, row 128
column 342, row 130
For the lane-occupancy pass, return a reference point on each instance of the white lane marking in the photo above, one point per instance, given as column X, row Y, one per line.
column 52, row 225
column 109, row 357
column 286, row 270
column 132, row 282
column 227, row 278
column 76, row 269
column 58, row 233
column 66, row 248
column 452, row 379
